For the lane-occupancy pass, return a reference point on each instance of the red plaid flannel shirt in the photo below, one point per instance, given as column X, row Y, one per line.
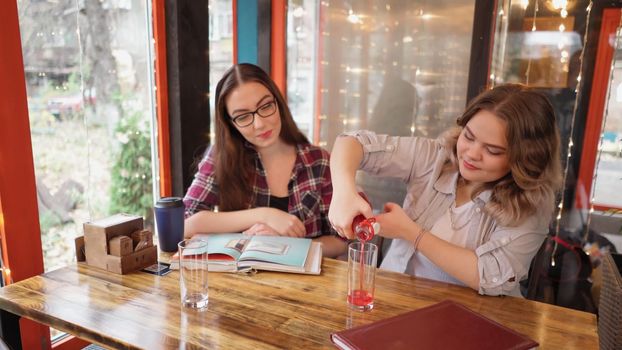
column 310, row 188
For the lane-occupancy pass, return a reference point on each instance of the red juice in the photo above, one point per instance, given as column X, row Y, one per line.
column 364, row 229
column 360, row 297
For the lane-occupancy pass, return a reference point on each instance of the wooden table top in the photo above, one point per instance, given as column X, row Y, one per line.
column 266, row 310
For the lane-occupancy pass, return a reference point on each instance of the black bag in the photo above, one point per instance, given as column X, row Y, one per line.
column 560, row 275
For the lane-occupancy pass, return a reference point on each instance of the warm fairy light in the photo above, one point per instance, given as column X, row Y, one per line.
column 298, row 12
column 562, row 27
column 558, row 4
column 353, row 18
column 7, row 274
column 533, row 29
column 564, row 13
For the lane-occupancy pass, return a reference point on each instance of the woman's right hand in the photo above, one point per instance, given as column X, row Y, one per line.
column 344, row 207
column 283, row 223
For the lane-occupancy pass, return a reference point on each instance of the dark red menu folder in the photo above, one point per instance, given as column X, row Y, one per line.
column 446, row 325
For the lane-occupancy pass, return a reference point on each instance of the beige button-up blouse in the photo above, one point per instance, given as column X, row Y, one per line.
column 504, row 253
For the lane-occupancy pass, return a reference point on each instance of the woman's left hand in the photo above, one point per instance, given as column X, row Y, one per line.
column 395, row 223
column 260, row 230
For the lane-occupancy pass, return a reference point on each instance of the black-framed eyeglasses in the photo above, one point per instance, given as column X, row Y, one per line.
column 248, row 118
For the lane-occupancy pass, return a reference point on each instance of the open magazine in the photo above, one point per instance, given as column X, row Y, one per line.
column 235, row 252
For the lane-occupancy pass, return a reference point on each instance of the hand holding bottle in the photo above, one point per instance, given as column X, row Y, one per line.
column 344, row 207
column 365, row 228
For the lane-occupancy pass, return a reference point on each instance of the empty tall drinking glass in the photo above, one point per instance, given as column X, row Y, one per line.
column 193, row 273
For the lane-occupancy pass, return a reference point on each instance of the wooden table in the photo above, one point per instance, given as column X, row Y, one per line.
column 263, row 311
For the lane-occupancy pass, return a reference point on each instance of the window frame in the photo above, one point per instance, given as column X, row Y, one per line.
column 596, row 106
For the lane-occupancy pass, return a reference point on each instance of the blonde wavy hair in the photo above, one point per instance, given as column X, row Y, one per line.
column 533, row 152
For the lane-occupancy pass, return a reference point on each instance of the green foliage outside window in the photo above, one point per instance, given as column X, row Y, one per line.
column 131, row 183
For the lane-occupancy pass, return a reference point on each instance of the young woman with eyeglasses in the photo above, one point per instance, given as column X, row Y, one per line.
column 479, row 198
column 262, row 173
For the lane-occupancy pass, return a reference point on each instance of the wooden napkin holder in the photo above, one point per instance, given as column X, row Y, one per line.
column 108, row 244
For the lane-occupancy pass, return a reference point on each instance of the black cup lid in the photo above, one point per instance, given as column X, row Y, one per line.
column 169, row 202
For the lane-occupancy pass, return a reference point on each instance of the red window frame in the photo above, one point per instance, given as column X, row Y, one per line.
column 598, row 96
column 20, row 232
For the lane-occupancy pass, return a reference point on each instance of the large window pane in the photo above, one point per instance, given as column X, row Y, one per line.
column 220, row 47
column 88, row 69
column 302, row 34
column 539, row 43
column 395, row 67
column 609, row 172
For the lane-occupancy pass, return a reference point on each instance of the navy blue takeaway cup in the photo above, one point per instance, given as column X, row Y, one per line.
column 169, row 217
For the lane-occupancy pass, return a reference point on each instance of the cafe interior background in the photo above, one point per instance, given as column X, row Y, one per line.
column 111, row 104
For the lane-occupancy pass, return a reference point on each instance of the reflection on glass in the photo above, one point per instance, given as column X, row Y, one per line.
column 395, row 67
column 539, row 43
column 220, row 47
column 537, row 47
column 302, row 34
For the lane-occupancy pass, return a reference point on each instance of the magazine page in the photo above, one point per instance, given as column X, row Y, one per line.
column 228, row 244
column 278, row 250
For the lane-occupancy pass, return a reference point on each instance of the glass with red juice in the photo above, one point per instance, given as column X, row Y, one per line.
column 362, row 259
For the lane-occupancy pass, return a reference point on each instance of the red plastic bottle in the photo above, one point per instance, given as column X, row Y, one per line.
column 365, row 229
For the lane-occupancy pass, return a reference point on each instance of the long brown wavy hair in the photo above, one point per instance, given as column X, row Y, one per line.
column 235, row 157
column 533, row 151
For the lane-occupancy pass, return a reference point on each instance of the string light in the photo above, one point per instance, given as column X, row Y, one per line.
column 524, row 3
column 572, row 123
column 564, row 60
column 533, row 29
column 602, row 128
